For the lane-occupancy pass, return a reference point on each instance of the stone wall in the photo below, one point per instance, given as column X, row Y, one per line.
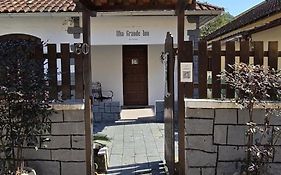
column 65, row 153
column 159, row 108
column 106, row 111
column 215, row 137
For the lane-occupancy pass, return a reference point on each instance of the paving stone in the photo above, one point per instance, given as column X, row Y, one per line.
column 142, row 155
column 115, row 160
column 226, row 116
column 141, row 158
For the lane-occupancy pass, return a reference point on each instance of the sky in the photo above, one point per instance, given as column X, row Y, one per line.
column 234, row 7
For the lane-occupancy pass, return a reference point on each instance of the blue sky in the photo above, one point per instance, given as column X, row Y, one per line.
column 234, row 7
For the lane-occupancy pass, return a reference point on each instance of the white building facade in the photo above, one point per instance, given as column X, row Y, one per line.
column 113, row 34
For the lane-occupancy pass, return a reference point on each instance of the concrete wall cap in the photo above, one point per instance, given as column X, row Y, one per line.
column 223, row 104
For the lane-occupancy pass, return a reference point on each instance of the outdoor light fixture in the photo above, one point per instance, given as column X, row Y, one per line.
column 76, row 30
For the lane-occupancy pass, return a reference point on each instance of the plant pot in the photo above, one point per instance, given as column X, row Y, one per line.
column 101, row 159
column 28, row 171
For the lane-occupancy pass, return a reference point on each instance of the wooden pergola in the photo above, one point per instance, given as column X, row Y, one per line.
column 89, row 8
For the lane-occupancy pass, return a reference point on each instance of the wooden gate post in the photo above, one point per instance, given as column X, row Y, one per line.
column 86, row 17
column 181, row 111
column 169, row 104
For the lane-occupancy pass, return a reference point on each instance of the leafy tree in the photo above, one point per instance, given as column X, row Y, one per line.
column 216, row 24
column 24, row 108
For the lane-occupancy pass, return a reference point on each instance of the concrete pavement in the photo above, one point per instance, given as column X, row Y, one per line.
column 136, row 147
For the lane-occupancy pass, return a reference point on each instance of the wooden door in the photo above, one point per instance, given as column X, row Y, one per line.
column 135, row 83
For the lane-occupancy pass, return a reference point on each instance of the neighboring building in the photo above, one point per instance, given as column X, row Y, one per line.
column 135, row 36
column 260, row 23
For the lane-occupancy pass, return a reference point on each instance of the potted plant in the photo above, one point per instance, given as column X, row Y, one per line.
column 100, row 152
column 24, row 108
column 256, row 85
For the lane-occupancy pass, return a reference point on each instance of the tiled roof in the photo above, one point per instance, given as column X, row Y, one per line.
column 206, row 6
column 265, row 9
column 31, row 6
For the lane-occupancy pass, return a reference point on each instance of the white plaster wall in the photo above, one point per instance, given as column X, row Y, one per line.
column 156, row 76
column 104, row 29
column 49, row 28
column 107, row 68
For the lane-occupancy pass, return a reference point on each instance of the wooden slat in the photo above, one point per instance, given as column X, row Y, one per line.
column 216, row 69
column 188, row 57
column 65, row 65
column 52, row 70
column 244, row 51
column 258, row 52
column 202, row 69
column 39, row 55
column 229, row 60
column 79, row 94
column 273, row 54
column 72, row 55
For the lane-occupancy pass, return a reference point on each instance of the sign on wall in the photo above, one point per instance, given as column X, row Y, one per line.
column 186, row 70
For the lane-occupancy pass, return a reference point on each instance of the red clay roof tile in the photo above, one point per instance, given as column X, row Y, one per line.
column 31, row 6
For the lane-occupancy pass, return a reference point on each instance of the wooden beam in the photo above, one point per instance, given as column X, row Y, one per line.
column 181, row 110
column 86, row 15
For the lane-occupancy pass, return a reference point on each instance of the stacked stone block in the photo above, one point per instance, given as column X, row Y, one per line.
column 159, row 105
column 65, row 153
column 106, row 111
column 216, row 140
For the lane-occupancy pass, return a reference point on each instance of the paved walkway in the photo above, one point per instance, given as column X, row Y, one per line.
column 136, row 147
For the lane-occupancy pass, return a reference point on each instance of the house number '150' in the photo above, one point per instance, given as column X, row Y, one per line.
column 82, row 48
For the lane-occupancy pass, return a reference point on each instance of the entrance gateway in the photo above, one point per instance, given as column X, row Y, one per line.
column 135, row 78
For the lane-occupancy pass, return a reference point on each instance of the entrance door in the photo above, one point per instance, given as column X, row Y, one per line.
column 135, row 85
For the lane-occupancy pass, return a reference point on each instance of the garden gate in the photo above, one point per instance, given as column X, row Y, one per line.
column 169, row 60
column 211, row 60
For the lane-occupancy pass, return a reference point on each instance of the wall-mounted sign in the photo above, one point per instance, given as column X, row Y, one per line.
column 135, row 61
column 186, row 70
column 133, row 33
